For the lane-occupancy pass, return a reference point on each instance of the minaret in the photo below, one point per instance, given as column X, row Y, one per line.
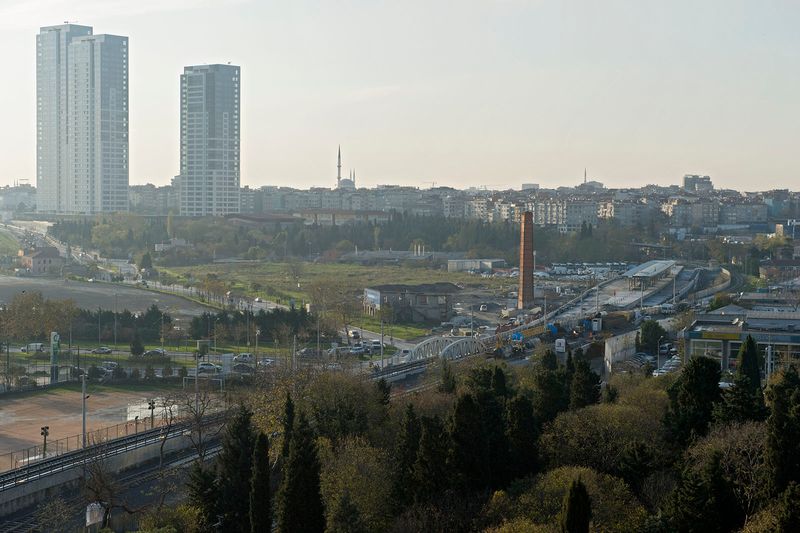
column 584, row 175
column 339, row 167
column 354, row 178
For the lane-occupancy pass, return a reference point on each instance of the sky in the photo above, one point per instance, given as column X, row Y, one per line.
column 461, row 93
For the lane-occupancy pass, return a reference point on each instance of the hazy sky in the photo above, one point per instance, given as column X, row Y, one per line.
column 463, row 92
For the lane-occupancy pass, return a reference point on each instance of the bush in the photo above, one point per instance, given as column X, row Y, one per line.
column 182, row 372
column 149, row 372
column 167, row 371
column 119, row 373
column 137, row 348
column 136, row 374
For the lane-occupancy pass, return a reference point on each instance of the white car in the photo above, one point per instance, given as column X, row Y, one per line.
column 266, row 362
column 243, row 358
column 208, row 368
column 258, row 299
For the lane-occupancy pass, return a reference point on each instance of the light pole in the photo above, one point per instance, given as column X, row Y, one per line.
column 151, row 404
column 44, row 433
column 83, row 410
column 115, row 320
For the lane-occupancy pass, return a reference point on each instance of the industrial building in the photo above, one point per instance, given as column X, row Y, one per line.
column 428, row 302
column 720, row 336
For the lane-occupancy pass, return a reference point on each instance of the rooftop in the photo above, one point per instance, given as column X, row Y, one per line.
column 649, row 269
column 424, row 288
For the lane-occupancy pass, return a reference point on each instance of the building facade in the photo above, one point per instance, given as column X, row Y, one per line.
column 81, row 121
column 210, row 140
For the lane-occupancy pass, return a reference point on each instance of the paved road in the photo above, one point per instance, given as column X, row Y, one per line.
column 93, row 295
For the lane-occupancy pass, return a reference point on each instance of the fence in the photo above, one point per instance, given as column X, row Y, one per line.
column 32, row 454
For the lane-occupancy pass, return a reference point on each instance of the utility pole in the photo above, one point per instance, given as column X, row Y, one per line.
column 83, row 410
column 115, row 321
column 44, row 433
column 674, row 287
column 381, row 342
column 151, row 404
column 294, row 353
column 99, row 311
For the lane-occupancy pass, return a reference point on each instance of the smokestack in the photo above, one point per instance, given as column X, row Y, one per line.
column 525, row 294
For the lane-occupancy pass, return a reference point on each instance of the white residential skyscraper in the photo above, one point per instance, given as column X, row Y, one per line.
column 81, row 121
column 209, row 178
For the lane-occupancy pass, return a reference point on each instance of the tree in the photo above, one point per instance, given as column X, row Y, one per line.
column 651, row 332
column 448, row 383
column 300, row 505
column 203, row 492
column 384, row 390
column 235, row 471
column 692, row 398
column 789, row 511
column 585, row 386
column 468, row 452
column 548, row 394
column 740, row 403
column 549, row 360
column 499, row 386
column 430, row 469
column 748, row 363
column 405, row 458
column 260, row 501
column 288, row 424
column 137, row 348
column 146, row 262
column 576, row 511
column 522, row 437
column 783, row 430
column 704, row 501
column 345, row 518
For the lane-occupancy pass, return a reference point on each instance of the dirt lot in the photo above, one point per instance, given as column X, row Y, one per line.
column 21, row 417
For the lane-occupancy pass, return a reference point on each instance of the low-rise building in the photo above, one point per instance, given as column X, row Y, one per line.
column 720, row 336
column 429, row 302
column 44, row 260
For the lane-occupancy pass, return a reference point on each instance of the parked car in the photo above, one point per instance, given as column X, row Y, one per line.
column 243, row 358
column 376, row 346
column 258, row 299
column 208, row 368
column 357, row 349
column 243, row 368
column 102, row 350
column 109, row 366
column 157, row 352
column 355, row 335
column 484, row 307
column 266, row 361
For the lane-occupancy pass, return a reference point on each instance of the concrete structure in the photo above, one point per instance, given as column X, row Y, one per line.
column 647, row 274
column 40, row 261
column 430, row 302
column 721, row 336
column 81, row 121
column 526, row 266
column 210, row 140
column 479, row 265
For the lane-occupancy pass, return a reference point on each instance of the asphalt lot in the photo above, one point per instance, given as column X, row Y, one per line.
column 93, row 295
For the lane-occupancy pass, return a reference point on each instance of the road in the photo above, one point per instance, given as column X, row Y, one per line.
column 93, row 295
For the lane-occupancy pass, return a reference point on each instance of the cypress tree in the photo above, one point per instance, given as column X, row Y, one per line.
column 783, row 430
column 468, row 452
column 523, row 437
column 235, row 470
column 431, row 473
column 499, row 386
column 549, row 398
column 345, row 518
column 260, row 500
column 300, row 508
column 549, row 360
column 585, row 386
column 384, row 390
column 288, row 424
column 692, row 397
column 740, row 403
column 576, row 510
column 748, row 363
column 405, row 457
column 448, row 384
column 203, row 493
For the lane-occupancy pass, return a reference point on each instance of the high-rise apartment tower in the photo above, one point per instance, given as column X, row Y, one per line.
column 81, row 121
column 210, row 126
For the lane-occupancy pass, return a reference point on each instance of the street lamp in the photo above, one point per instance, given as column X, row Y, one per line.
column 45, row 432
column 151, row 404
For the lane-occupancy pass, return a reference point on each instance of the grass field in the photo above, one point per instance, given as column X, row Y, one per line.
column 8, row 244
column 277, row 284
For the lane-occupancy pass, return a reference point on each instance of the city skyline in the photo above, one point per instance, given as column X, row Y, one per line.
column 635, row 93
